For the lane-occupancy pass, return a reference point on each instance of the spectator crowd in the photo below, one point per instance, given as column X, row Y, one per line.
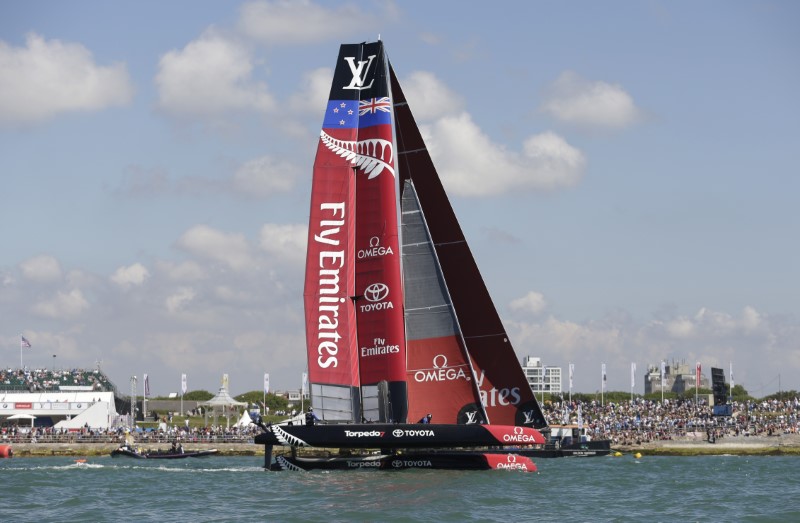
column 641, row 421
column 43, row 380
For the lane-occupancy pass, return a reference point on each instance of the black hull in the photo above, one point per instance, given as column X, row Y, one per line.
column 398, row 436
column 454, row 460
column 589, row 449
column 127, row 453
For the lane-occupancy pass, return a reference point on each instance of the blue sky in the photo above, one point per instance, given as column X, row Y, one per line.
column 625, row 172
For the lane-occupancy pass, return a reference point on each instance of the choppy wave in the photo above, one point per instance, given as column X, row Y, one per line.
column 238, row 489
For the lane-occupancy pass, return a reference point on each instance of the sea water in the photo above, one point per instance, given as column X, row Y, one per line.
column 652, row 489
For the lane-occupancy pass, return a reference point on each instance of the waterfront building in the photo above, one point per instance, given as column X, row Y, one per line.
column 541, row 378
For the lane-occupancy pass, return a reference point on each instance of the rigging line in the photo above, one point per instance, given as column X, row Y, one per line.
column 409, row 151
column 485, row 335
column 447, row 305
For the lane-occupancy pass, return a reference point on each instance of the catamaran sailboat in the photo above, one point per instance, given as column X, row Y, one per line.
column 399, row 323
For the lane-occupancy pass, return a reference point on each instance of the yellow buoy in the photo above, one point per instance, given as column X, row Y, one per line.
column 637, row 455
column 617, row 454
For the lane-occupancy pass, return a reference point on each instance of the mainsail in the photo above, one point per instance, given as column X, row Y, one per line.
column 385, row 342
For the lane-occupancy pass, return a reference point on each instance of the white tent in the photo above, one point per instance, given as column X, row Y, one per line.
column 95, row 417
column 245, row 420
column 23, row 416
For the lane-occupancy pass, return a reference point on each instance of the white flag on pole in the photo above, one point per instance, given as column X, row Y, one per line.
column 633, row 374
column 266, row 383
column 571, row 374
column 183, row 384
column 305, row 383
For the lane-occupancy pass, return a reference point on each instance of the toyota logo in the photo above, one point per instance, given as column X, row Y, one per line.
column 397, row 433
column 376, row 292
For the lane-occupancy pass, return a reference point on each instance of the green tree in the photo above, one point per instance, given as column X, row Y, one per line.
column 252, row 397
column 198, row 395
column 739, row 393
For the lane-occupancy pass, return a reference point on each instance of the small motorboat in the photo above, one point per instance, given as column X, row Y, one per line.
column 132, row 452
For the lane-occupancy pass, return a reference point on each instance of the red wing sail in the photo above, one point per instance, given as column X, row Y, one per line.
column 505, row 393
column 357, row 150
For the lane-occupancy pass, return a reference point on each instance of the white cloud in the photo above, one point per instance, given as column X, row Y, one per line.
column 264, row 176
column 577, row 101
column 133, row 275
column 302, row 21
column 230, row 249
column 313, row 93
column 48, row 77
column 429, row 98
column 287, row 242
column 470, row 164
column 210, row 76
column 178, row 300
column 63, row 305
column 186, row 271
column 41, row 269
column 533, row 303
column 752, row 340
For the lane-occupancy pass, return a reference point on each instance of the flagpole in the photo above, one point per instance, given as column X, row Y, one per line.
column 696, row 382
column 602, row 384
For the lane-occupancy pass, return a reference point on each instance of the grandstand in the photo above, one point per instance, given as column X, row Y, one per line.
column 63, row 399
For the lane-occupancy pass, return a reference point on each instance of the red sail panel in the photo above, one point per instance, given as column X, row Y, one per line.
column 357, row 132
column 440, row 382
column 379, row 289
column 330, row 271
column 505, row 392
column 440, row 379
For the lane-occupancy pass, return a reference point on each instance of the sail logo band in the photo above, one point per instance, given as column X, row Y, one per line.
column 379, row 348
column 375, row 249
column 372, row 156
column 494, row 397
column 360, row 72
column 331, row 263
column 375, row 294
column 440, row 371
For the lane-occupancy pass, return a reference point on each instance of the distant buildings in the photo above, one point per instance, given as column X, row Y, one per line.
column 541, row 378
column 678, row 377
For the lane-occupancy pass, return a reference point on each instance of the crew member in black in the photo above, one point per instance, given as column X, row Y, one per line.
column 311, row 418
column 425, row 419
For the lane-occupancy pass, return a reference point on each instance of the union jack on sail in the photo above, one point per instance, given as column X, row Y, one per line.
column 372, row 105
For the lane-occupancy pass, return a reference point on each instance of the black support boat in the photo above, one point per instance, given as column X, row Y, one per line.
column 131, row 452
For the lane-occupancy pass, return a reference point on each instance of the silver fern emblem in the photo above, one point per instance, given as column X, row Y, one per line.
column 286, row 438
column 371, row 156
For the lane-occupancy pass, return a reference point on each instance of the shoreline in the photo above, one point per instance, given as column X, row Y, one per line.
column 780, row 445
